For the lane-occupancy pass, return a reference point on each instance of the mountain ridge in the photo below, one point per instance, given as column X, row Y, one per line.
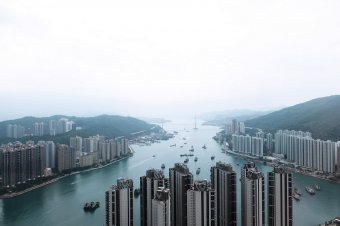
column 320, row 116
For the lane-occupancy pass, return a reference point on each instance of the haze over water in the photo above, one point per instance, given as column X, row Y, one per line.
column 60, row 204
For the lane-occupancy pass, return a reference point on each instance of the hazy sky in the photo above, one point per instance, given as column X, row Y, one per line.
column 163, row 58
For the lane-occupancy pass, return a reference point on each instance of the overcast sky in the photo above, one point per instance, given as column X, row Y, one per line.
column 164, row 58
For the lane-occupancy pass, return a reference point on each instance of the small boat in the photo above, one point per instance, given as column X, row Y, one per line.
column 296, row 197
column 186, row 160
column 91, row 206
column 154, row 156
column 198, row 171
column 317, row 187
column 173, row 145
column 163, row 166
column 296, row 191
column 195, row 159
column 181, row 146
column 212, row 157
column 136, row 192
column 192, row 148
column 185, row 142
column 310, row 190
column 204, row 147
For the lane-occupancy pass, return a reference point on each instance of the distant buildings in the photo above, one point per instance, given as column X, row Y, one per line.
column 338, row 155
column 39, row 129
column 15, row 131
column 300, row 148
column 280, row 200
column 223, row 181
column 21, row 163
column 248, row 145
column 180, row 181
column 201, row 204
column 66, row 158
column 252, row 196
column 119, row 204
column 235, row 128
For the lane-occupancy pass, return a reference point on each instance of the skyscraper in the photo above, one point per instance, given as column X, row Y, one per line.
column 66, row 157
column 180, row 181
column 201, row 204
column 149, row 185
column 161, row 208
column 223, row 181
column 280, row 203
column 119, row 204
column 252, row 196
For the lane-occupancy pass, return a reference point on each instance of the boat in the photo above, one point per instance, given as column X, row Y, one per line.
column 192, row 148
column 154, row 156
column 186, row 160
column 195, row 159
column 198, row 171
column 91, row 206
column 310, row 190
column 163, row 166
column 173, row 145
column 317, row 187
column 296, row 197
column 204, row 147
column 181, row 146
column 212, row 157
column 185, row 142
column 136, row 192
column 297, row 191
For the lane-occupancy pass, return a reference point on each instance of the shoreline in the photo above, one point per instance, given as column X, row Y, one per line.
column 293, row 170
column 15, row 194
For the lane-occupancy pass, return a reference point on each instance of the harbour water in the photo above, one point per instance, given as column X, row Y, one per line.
column 61, row 203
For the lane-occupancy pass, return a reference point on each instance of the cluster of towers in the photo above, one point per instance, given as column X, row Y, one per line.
column 181, row 201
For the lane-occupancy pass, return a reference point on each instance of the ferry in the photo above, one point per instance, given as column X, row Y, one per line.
column 198, row 171
column 91, row 206
column 310, row 190
column 163, row 166
column 195, row 159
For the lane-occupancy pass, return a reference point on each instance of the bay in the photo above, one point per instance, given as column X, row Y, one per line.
column 61, row 203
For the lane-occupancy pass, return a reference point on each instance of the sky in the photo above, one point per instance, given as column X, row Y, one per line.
column 155, row 58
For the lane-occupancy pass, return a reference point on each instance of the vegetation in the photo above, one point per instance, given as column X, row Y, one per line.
column 106, row 125
column 320, row 116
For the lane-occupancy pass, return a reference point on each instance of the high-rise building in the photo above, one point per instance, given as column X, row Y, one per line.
column 252, row 196
column 269, row 143
column 50, row 154
column 52, row 127
column 201, row 204
column 280, row 203
column 338, row 158
column 21, row 163
column 76, row 143
column 248, row 145
column 161, row 208
column 39, row 129
column 234, row 126
column 119, row 204
column 15, row 131
column 180, row 181
column 223, row 181
column 66, row 157
column 149, row 185
column 242, row 128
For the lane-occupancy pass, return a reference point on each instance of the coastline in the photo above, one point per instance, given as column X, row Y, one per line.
column 15, row 194
column 293, row 170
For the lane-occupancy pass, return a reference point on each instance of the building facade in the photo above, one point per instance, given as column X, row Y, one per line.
column 119, row 204
column 252, row 196
column 223, row 181
column 280, row 201
column 180, row 181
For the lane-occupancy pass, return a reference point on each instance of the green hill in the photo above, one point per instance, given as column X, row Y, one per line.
column 106, row 125
column 320, row 116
